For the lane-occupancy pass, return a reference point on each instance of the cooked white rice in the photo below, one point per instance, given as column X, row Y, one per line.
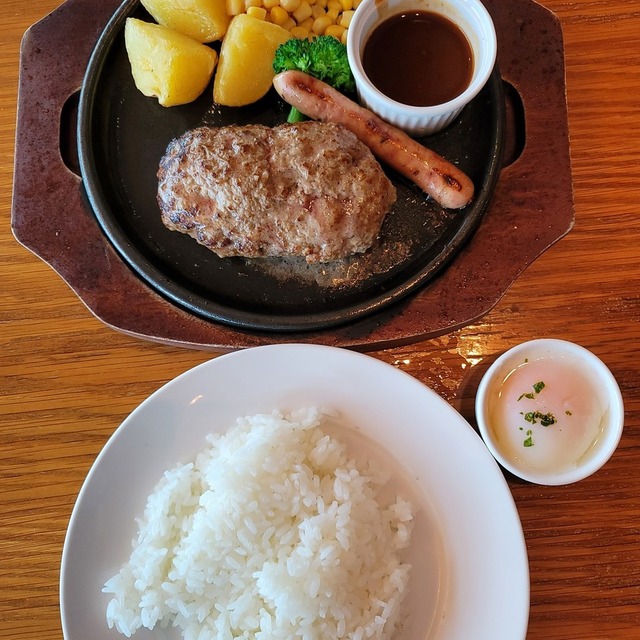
column 272, row 532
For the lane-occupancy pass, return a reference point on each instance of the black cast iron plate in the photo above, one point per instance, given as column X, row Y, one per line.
column 122, row 135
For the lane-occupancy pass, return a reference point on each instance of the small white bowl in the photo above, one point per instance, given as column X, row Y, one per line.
column 472, row 18
column 568, row 450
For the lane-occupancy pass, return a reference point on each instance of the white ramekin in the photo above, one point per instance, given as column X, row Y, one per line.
column 605, row 386
column 474, row 20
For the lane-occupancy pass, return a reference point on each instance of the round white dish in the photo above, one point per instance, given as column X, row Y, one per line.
column 598, row 377
column 470, row 574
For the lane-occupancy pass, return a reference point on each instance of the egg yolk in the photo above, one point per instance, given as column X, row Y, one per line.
column 548, row 414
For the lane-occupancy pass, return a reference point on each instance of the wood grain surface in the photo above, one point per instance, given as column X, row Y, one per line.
column 68, row 380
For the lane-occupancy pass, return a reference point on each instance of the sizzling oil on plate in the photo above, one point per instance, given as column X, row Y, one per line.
column 123, row 135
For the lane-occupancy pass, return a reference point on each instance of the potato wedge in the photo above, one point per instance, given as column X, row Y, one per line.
column 245, row 71
column 202, row 20
column 166, row 64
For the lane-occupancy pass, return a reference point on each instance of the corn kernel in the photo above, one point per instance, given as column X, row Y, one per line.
column 290, row 5
column 343, row 38
column 320, row 25
column 269, row 4
column 307, row 24
column 278, row 15
column 345, row 20
column 252, row 3
column 289, row 24
column 317, row 11
column 299, row 32
column 333, row 14
column 234, row 7
column 334, row 30
column 303, row 12
column 257, row 12
column 356, row 4
column 347, row 5
column 321, row 3
column 334, row 4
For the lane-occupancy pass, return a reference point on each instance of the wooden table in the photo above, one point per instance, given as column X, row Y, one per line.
column 68, row 380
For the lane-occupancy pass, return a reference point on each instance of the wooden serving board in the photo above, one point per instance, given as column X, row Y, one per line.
column 531, row 209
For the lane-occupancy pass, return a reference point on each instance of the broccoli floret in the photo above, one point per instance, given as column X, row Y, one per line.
column 324, row 58
column 330, row 64
column 293, row 54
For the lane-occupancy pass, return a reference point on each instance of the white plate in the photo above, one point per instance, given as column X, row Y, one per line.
column 470, row 577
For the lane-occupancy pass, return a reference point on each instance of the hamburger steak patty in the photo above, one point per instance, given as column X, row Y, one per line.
column 310, row 189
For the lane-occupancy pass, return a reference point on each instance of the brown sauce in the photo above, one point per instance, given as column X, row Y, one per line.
column 418, row 58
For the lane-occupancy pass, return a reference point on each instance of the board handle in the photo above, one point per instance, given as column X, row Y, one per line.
column 515, row 125
column 48, row 209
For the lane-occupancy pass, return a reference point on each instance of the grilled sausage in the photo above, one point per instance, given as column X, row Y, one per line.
column 445, row 183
